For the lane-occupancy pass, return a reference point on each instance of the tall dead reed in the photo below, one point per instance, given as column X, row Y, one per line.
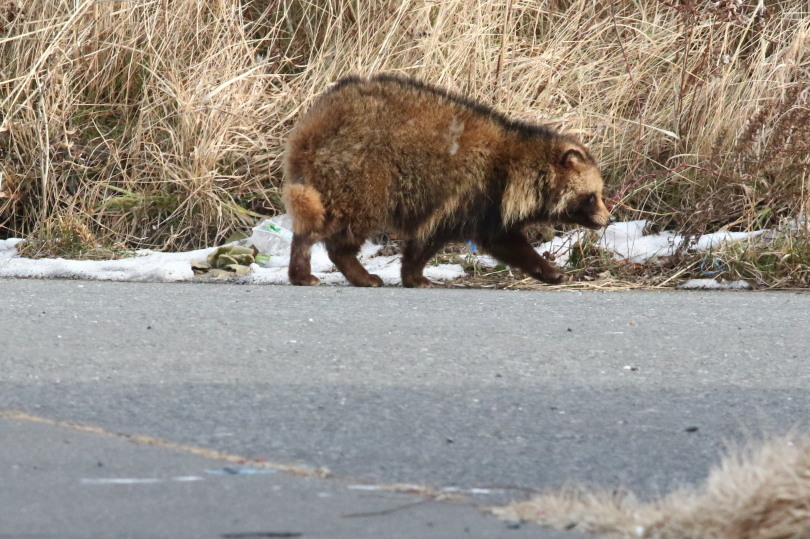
column 160, row 123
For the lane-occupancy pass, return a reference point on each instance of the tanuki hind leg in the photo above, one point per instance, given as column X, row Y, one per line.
column 414, row 257
column 514, row 249
column 343, row 248
column 300, row 271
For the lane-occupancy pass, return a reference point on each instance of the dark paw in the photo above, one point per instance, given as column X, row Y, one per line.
column 417, row 282
column 553, row 277
column 550, row 275
column 369, row 280
column 306, row 280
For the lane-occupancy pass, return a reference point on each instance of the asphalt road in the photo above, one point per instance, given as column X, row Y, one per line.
column 453, row 389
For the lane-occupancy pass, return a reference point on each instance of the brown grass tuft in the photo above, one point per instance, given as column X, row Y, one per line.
column 761, row 491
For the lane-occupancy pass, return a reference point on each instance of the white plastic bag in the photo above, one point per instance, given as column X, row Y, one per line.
column 273, row 236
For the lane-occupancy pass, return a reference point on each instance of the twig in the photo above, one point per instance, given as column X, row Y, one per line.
column 386, row 511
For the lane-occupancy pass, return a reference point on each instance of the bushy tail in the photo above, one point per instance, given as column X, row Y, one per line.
column 304, row 204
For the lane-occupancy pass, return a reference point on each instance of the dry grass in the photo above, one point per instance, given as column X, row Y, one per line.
column 157, row 123
column 762, row 491
column 779, row 259
column 143, row 121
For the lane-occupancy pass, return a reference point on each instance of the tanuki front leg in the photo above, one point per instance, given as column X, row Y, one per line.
column 514, row 249
column 343, row 249
column 415, row 255
column 300, row 271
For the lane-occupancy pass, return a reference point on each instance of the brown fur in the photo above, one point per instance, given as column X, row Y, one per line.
column 305, row 204
column 393, row 153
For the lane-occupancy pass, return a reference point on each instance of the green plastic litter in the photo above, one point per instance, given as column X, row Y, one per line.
column 231, row 254
column 226, row 261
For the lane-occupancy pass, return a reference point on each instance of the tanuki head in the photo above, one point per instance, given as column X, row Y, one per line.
column 576, row 188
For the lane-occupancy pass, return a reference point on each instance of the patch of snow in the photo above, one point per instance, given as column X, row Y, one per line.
column 145, row 266
column 626, row 241
column 151, row 266
column 8, row 248
column 711, row 284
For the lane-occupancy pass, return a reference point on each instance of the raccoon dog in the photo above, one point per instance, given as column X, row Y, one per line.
column 387, row 152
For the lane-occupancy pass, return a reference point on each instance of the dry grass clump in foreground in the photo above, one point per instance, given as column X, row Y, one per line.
column 160, row 124
column 762, row 491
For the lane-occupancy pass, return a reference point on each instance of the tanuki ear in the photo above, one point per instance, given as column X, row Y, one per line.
column 572, row 159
